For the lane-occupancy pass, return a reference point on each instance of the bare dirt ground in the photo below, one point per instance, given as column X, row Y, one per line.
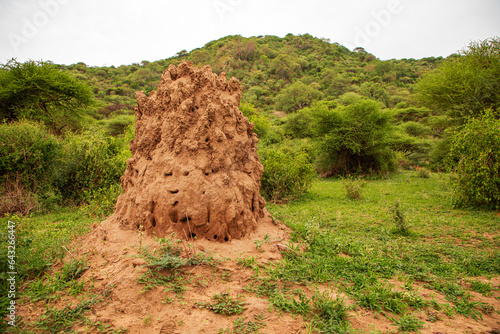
column 115, row 267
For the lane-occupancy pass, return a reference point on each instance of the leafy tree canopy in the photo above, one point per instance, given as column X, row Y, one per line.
column 467, row 84
column 297, row 96
column 40, row 91
column 354, row 139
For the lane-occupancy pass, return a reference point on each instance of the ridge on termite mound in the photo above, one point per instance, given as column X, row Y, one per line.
column 194, row 168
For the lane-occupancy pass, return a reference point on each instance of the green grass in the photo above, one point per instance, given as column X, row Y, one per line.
column 359, row 245
column 58, row 321
column 39, row 241
column 408, row 323
column 240, row 326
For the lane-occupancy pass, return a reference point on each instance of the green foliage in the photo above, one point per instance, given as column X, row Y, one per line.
column 28, row 166
column 416, row 129
column 262, row 125
column 354, row 140
column 354, row 188
column 223, row 303
column 475, row 157
column 423, row 172
column 287, row 174
column 374, row 91
column 116, row 126
column 297, row 96
column 40, row 91
column 171, row 257
column 91, row 161
column 399, row 220
column 352, row 245
column 465, row 85
column 39, row 170
column 482, row 288
column 408, row 323
column 57, row 321
column 47, row 287
column 299, row 124
column 331, row 314
column 242, row 327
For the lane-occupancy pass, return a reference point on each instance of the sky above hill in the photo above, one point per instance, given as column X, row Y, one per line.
column 122, row 32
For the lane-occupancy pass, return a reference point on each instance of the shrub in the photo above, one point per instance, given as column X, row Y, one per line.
column 417, row 129
column 299, row 125
column 355, row 139
column 91, row 161
column 354, row 188
column 38, row 170
column 475, row 157
column 423, row 172
column 287, row 174
column 28, row 149
column 27, row 168
column 262, row 125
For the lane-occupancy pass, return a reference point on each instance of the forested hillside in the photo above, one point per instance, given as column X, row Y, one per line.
column 280, row 77
column 266, row 65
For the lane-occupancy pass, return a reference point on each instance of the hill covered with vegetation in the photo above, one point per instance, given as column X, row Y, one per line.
column 282, row 78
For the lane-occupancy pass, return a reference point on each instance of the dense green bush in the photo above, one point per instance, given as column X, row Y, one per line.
column 28, row 166
column 288, row 173
column 354, row 139
column 297, row 96
column 39, row 170
column 92, row 161
column 475, row 157
column 299, row 125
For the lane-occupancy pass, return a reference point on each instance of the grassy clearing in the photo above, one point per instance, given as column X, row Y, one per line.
column 361, row 246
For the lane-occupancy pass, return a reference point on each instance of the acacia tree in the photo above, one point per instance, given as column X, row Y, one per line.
column 354, row 139
column 466, row 85
column 40, row 91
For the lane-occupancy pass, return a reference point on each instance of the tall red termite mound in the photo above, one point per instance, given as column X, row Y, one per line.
column 194, row 169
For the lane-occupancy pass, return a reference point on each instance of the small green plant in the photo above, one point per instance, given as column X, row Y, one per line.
column 224, row 304
column 408, row 323
column 432, row 316
column 482, row 288
column 399, row 220
column 66, row 279
column 331, row 314
column 57, row 321
column 354, row 188
column 423, row 172
column 152, row 279
column 248, row 262
column 240, row 326
column 147, row 320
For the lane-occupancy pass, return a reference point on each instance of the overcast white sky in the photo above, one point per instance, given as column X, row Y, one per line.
column 121, row 32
